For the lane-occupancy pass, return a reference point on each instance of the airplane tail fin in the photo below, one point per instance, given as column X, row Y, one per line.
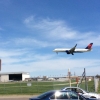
column 89, row 46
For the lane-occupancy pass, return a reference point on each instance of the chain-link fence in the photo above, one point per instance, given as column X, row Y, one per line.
column 37, row 87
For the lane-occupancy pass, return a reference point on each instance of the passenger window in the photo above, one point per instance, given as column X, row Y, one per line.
column 74, row 89
column 73, row 95
column 62, row 95
column 79, row 91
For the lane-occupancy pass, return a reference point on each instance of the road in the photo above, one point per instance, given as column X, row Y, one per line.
column 13, row 97
column 25, row 98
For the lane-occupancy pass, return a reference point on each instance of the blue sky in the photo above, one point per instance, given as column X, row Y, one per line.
column 31, row 29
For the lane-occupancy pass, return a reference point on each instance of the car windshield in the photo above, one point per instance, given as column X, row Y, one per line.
column 45, row 95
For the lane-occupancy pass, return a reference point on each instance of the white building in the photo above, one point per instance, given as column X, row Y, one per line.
column 13, row 76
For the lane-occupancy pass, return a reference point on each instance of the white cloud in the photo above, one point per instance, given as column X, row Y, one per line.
column 51, row 33
column 13, row 56
column 21, row 56
column 30, row 42
column 9, row 53
column 51, row 29
column 62, row 65
column 92, row 39
column 57, row 30
column 49, row 63
column 36, row 43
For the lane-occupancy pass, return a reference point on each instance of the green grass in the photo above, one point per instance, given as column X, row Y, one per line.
column 90, row 86
column 36, row 88
column 99, row 87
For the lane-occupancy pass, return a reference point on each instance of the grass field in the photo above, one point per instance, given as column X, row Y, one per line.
column 36, row 87
column 99, row 87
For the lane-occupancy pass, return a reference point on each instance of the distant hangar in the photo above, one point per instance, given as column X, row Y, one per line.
column 14, row 76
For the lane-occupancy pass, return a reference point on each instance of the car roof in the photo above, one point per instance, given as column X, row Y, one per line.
column 60, row 91
column 72, row 87
column 75, row 87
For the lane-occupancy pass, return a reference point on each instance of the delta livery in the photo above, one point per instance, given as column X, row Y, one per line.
column 74, row 50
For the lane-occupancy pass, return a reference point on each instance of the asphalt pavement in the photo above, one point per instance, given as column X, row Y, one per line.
column 15, row 97
column 25, row 98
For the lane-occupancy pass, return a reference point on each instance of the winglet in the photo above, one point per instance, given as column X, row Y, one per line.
column 89, row 46
column 75, row 45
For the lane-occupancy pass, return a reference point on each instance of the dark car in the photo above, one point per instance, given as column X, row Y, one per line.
column 59, row 95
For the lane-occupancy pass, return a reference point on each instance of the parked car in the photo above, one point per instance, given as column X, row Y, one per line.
column 60, row 95
column 82, row 92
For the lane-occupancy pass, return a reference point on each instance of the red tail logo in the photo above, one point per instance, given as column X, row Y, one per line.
column 89, row 46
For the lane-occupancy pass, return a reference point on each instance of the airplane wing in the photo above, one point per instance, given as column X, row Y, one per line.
column 71, row 51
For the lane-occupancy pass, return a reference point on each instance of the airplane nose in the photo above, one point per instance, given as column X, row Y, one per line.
column 55, row 50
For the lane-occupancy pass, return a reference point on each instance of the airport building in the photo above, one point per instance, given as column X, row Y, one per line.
column 14, row 76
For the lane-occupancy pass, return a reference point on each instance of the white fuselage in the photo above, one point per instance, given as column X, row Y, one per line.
column 75, row 51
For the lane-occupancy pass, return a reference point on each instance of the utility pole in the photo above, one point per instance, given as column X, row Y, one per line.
column 86, row 85
column 84, row 77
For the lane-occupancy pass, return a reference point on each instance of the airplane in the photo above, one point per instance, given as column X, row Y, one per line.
column 74, row 50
